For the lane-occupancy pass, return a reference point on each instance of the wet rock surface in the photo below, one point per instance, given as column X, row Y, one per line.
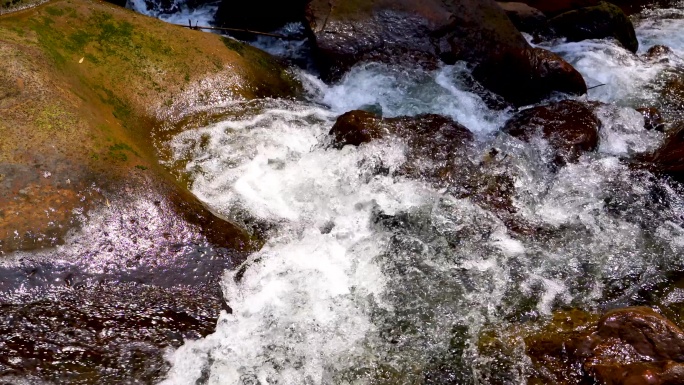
column 653, row 119
column 570, row 127
column 424, row 33
column 524, row 17
column 105, row 258
column 596, row 22
column 100, row 333
column 442, row 152
column 669, row 158
column 625, row 346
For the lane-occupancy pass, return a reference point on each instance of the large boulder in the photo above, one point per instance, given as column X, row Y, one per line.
column 83, row 198
column 423, row 32
column 570, row 127
column 596, row 22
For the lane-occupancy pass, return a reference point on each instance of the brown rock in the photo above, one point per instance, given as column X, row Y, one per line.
column 627, row 346
column 423, row 32
column 669, row 158
column 439, row 151
column 596, row 22
column 525, row 18
column 570, row 127
column 657, row 52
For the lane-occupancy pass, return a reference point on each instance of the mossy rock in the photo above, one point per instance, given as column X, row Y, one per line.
column 82, row 86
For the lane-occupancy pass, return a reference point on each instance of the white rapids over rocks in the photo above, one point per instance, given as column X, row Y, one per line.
column 367, row 276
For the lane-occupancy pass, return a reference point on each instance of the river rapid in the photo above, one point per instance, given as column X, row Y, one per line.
column 368, row 277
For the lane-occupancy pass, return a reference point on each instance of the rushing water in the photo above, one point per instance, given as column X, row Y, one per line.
column 369, row 277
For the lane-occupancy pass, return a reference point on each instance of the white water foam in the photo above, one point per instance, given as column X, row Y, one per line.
column 202, row 16
column 396, row 91
column 368, row 276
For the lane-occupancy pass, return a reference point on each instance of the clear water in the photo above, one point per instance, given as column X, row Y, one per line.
column 369, row 277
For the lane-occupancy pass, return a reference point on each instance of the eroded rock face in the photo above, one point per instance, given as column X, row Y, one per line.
column 625, row 346
column 596, row 22
column 424, row 32
column 570, row 127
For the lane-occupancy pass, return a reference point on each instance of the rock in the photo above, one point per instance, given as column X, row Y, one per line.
column 524, row 17
column 596, row 22
column 69, row 145
column 653, row 119
column 632, row 345
column 102, row 333
column 423, row 32
column 83, row 87
column 642, row 332
column 669, row 158
column 439, row 151
column 357, row 127
column 570, row 127
column 259, row 15
column 657, row 52
column 539, row 72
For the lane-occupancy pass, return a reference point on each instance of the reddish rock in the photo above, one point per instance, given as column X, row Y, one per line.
column 628, row 346
column 424, row 32
column 669, row 158
column 570, row 127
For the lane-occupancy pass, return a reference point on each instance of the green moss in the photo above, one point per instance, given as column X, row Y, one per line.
column 234, row 45
column 54, row 11
column 54, row 118
column 118, row 152
column 122, row 110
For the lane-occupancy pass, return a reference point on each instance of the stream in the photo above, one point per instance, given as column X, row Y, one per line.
column 371, row 277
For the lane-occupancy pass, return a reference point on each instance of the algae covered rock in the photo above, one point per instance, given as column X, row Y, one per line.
column 86, row 209
column 83, row 85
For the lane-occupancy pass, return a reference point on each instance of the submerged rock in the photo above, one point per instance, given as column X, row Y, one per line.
column 596, row 22
column 653, row 119
column 570, row 127
column 426, row 32
column 441, row 152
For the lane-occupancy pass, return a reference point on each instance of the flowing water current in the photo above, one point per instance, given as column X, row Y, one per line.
column 368, row 277
column 371, row 277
